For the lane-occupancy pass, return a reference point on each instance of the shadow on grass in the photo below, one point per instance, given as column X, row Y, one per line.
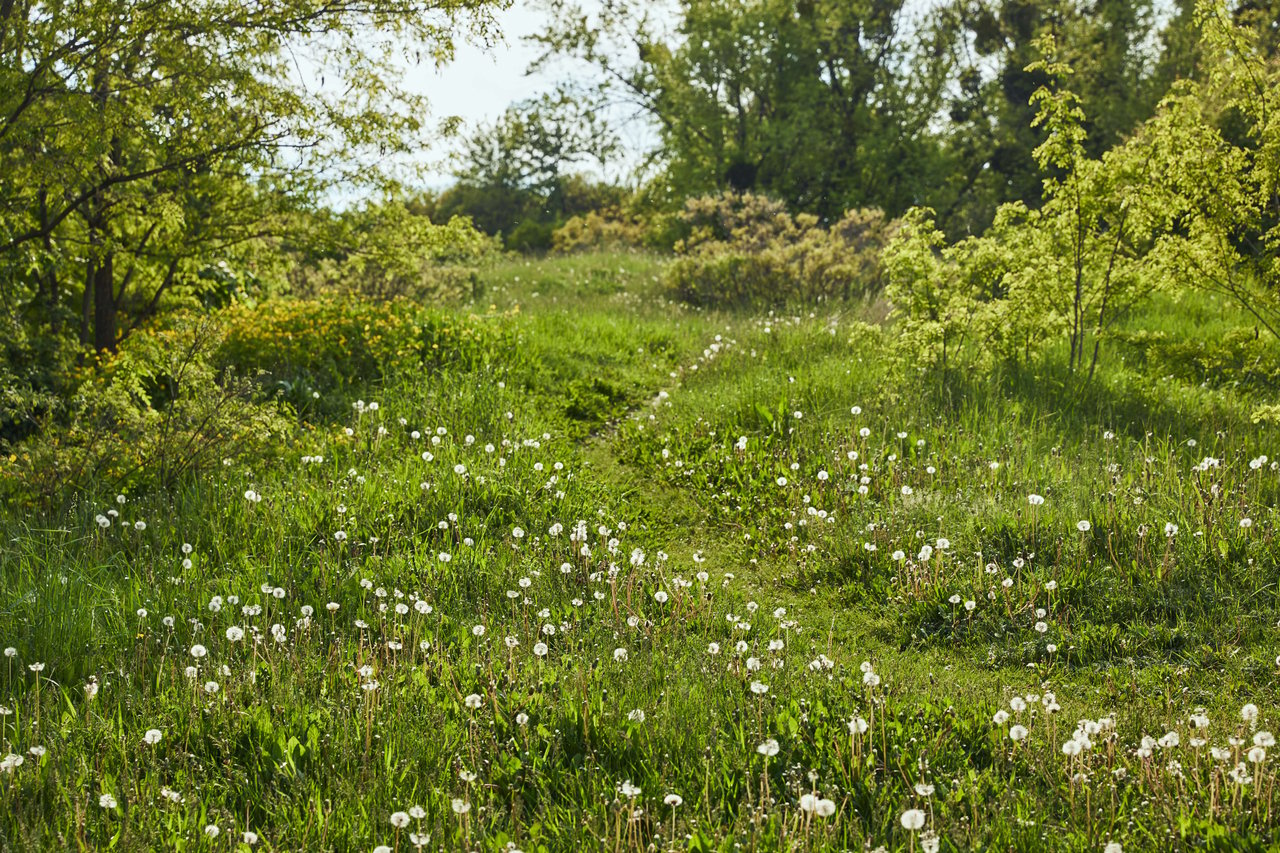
column 1117, row 400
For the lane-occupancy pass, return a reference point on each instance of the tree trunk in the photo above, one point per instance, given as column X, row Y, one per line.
column 86, row 303
column 101, row 275
column 104, row 304
column 50, row 284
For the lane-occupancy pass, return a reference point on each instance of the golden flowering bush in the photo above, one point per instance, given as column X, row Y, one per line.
column 387, row 251
column 748, row 250
column 329, row 342
column 177, row 399
column 611, row 228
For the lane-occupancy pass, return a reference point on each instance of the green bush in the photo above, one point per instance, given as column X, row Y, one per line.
column 145, row 417
column 747, row 250
column 1240, row 358
column 34, row 376
column 386, row 251
column 531, row 237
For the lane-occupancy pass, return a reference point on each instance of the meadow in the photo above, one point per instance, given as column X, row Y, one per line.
column 593, row 569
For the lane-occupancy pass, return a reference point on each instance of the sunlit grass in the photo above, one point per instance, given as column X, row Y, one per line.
column 668, row 579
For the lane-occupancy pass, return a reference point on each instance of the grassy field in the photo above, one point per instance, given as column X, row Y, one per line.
column 648, row 578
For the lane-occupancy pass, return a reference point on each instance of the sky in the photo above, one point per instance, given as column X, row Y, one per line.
column 480, row 83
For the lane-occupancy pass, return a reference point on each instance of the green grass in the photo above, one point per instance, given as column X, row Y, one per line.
column 663, row 435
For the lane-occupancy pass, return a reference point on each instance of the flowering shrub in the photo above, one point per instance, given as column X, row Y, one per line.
column 309, row 347
column 747, row 250
column 177, row 399
column 618, row 228
column 147, row 416
column 611, row 228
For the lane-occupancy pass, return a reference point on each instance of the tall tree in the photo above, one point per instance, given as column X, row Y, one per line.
column 523, row 170
column 826, row 104
column 138, row 139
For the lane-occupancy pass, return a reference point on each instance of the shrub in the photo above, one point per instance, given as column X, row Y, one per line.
column 618, row 228
column 301, row 348
column 386, row 251
column 1065, row 271
column 34, row 371
column 1242, row 358
column 146, row 417
column 601, row 230
column 951, row 303
column 531, row 237
column 747, row 250
column 1215, row 148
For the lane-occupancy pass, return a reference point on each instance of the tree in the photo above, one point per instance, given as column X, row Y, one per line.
column 519, row 177
column 140, row 140
column 1215, row 145
column 991, row 139
column 1069, row 267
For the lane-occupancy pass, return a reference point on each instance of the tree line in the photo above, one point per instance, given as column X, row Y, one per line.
column 155, row 154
